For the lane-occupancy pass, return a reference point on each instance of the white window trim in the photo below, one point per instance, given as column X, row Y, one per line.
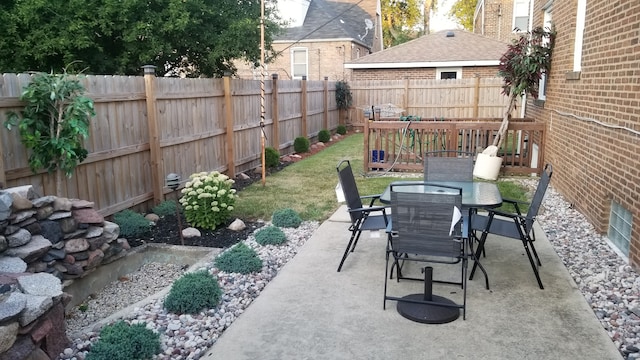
column 513, row 18
column 457, row 70
column 306, row 54
column 547, row 18
column 577, row 48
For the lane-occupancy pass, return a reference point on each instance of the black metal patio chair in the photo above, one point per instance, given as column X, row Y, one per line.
column 361, row 216
column 514, row 225
column 448, row 165
column 420, row 231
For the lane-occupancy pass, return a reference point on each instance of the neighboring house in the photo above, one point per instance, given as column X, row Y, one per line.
column 592, row 110
column 321, row 37
column 502, row 19
column 448, row 54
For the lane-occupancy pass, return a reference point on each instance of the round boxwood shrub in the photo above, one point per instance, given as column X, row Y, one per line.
column 271, row 157
column 287, row 218
column 270, row 235
column 121, row 341
column 301, row 144
column 131, row 223
column 165, row 208
column 239, row 259
column 324, row 136
column 192, row 293
column 341, row 129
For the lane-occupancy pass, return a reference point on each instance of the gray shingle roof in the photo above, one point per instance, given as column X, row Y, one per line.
column 437, row 47
column 328, row 20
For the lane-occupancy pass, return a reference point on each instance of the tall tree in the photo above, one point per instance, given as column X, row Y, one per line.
column 192, row 38
column 462, row 12
column 399, row 17
column 429, row 6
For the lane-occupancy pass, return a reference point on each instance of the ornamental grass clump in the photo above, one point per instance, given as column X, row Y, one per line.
column 239, row 259
column 287, row 218
column 208, row 199
column 121, row 341
column 270, row 235
column 192, row 293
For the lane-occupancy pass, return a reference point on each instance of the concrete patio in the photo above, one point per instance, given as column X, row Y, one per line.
column 310, row 311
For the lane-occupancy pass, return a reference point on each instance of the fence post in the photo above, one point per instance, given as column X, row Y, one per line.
column 405, row 97
column 366, row 145
column 228, row 114
column 325, row 114
column 154, row 137
column 303, row 106
column 275, row 112
column 476, row 97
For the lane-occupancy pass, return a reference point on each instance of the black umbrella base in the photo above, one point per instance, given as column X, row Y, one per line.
column 428, row 313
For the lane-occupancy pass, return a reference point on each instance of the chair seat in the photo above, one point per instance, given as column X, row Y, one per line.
column 374, row 222
column 499, row 226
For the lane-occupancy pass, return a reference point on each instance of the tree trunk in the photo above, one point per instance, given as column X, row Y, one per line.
column 502, row 131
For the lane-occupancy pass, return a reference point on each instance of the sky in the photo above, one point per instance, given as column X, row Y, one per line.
column 440, row 20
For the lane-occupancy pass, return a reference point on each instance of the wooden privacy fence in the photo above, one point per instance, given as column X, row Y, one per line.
column 430, row 99
column 147, row 127
column 393, row 145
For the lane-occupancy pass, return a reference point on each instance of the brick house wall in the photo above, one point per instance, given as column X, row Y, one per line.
column 419, row 73
column 497, row 22
column 595, row 164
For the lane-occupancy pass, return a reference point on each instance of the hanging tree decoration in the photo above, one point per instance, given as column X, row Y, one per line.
column 262, row 110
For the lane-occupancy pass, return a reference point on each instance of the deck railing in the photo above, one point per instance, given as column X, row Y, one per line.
column 394, row 145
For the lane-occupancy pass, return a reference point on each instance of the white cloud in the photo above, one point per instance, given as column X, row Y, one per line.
column 440, row 19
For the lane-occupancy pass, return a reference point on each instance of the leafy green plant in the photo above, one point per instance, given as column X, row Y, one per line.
column 287, row 218
column 344, row 97
column 193, row 292
column 271, row 157
column 270, row 235
column 121, row 341
column 165, row 208
column 301, row 144
column 207, row 199
column 53, row 123
column 324, row 135
column 131, row 223
column 239, row 259
column 341, row 129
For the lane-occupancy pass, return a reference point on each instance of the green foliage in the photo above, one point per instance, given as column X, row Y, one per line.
column 195, row 37
column 341, row 129
column 301, row 144
column 271, row 157
column 398, row 21
column 208, row 199
column 121, row 341
column 288, row 218
column 324, row 135
column 192, row 293
column 462, row 11
column 270, row 235
column 131, row 223
column 239, row 259
column 344, row 97
column 53, row 122
column 165, row 208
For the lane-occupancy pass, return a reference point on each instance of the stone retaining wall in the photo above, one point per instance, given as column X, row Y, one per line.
column 44, row 242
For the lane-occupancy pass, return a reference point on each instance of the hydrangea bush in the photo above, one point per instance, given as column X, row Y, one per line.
column 207, row 199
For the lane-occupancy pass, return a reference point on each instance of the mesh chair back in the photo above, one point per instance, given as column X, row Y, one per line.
column 350, row 189
column 448, row 166
column 538, row 196
column 422, row 222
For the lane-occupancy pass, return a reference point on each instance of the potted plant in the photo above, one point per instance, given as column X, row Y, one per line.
column 521, row 66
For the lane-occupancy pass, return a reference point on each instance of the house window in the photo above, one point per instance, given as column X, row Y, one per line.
column 577, row 47
column 620, row 227
column 520, row 15
column 448, row 73
column 299, row 62
column 542, row 85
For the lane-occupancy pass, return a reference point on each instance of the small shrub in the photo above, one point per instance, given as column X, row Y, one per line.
column 344, row 97
column 192, row 293
column 131, row 223
column 207, row 199
column 324, row 136
column 287, row 218
column 165, row 208
column 341, row 129
column 239, row 259
column 122, row 341
column 271, row 157
column 301, row 144
column 270, row 235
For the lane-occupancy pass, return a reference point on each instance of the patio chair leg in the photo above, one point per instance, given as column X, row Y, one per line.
column 526, row 242
column 476, row 262
column 348, row 249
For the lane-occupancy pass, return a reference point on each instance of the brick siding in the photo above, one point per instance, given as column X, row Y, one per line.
column 419, row 73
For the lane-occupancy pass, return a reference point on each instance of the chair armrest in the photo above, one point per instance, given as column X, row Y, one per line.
column 370, row 209
column 372, row 197
column 506, row 214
